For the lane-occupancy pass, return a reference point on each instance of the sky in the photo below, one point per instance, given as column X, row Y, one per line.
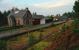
column 43, row 7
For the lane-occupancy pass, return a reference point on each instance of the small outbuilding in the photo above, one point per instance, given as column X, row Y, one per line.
column 38, row 19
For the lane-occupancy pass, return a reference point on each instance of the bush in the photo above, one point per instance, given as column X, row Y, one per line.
column 32, row 40
column 76, row 31
column 75, row 23
column 64, row 27
column 74, row 48
column 3, row 44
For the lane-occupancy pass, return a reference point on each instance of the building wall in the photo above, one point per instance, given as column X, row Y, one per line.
column 36, row 21
column 19, row 21
column 9, row 21
column 42, row 21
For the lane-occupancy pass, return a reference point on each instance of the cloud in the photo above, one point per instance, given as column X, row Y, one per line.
column 1, row 0
column 52, row 11
column 6, row 4
column 39, row 6
column 51, row 4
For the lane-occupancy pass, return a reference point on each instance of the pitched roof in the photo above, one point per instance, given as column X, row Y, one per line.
column 19, row 13
column 37, row 16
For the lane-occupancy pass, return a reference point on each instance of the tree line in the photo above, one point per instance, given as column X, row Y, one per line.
column 3, row 18
column 75, row 12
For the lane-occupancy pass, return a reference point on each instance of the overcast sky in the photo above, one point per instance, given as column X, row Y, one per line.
column 45, row 7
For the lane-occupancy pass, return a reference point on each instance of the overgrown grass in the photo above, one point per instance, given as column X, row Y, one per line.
column 39, row 46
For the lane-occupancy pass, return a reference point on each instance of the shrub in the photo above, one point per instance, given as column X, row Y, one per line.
column 32, row 40
column 3, row 44
column 64, row 27
column 76, row 31
column 74, row 48
column 75, row 23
